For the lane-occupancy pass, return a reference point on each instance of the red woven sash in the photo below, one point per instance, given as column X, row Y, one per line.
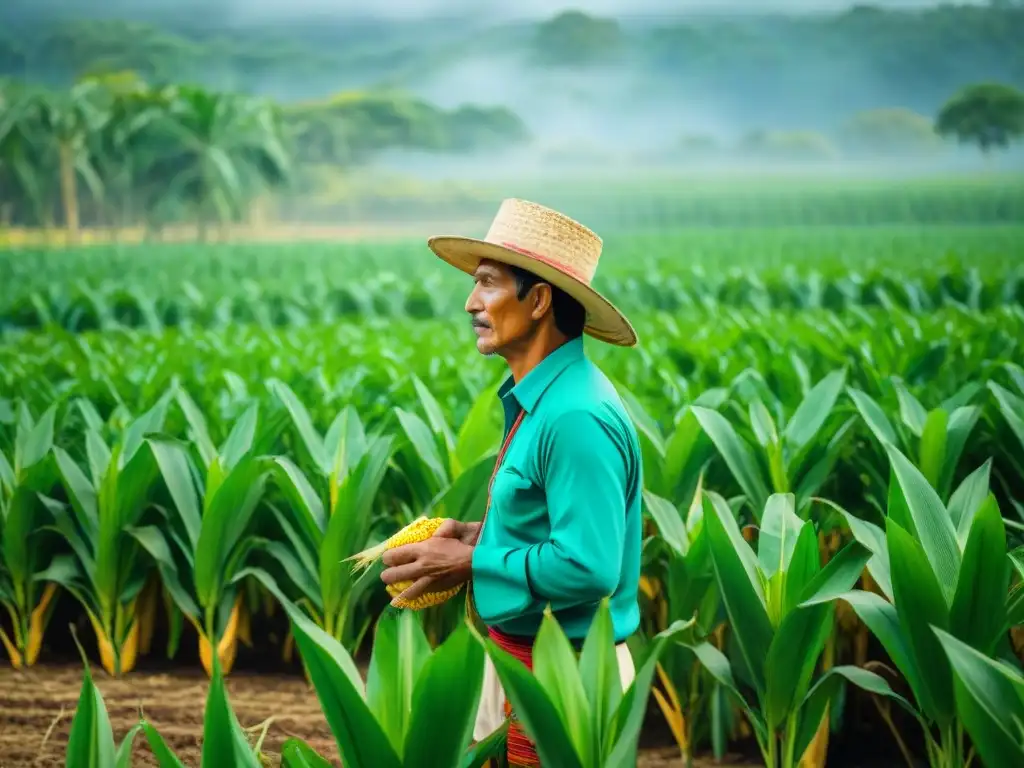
column 521, row 751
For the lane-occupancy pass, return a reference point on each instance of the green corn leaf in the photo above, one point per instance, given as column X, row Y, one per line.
column 311, row 438
column 240, row 440
column 838, row 577
column 599, row 670
column 123, row 757
column 912, row 412
column 978, row 613
column 933, row 446
column 670, row 523
column 91, row 741
column 873, row 416
column 802, row 569
column 400, row 649
column 966, row 500
column 872, row 537
column 780, row 528
column 227, row 515
column 304, row 503
column 989, row 701
column 224, row 740
column 1012, row 408
column 736, row 454
column 435, row 414
column 199, row 432
column 165, row 758
column 541, row 719
column 813, row 411
column 32, row 446
column 762, row 423
column 490, row 748
column 556, row 669
column 931, row 523
column 454, row 675
column 740, row 585
column 172, row 460
column 883, row 622
column 481, row 430
column 920, row 604
column 362, row 743
column 961, row 424
column 717, row 665
column 422, row 441
column 296, row 753
column 687, row 451
column 632, row 709
column 792, row 658
column 826, row 690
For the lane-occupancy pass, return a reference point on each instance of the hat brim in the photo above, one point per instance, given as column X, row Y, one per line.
column 604, row 320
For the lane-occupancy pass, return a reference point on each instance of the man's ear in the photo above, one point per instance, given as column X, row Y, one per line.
column 541, row 300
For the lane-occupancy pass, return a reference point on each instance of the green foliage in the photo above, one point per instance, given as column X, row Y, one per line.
column 988, row 115
column 575, row 38
column 894, row 131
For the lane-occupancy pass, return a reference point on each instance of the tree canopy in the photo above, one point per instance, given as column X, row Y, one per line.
column 988, row 115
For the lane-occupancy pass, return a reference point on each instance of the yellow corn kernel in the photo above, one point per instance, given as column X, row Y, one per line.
column 420, row 529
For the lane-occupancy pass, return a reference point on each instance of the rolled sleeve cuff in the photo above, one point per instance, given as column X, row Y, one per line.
column 501, row 586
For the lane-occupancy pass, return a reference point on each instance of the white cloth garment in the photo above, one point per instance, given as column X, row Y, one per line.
column 491, row 712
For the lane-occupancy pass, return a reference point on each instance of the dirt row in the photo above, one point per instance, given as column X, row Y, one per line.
column 37, row 706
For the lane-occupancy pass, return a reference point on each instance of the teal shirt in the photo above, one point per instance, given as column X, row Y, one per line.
column 564, row 526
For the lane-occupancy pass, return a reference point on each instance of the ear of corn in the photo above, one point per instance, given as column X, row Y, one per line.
column 420, row 529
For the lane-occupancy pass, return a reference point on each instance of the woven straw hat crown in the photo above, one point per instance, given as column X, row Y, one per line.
column 547, row 235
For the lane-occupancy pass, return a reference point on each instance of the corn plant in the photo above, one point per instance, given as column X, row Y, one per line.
column 25, row 556
column 684, row 571
column 1011, row 408
column 109, row 567
column 934, row 439
column 314, row 545
column 780, row 606
column 792, row 457
column 446, row 472
column 573, row 707
column 942, row 566
column 209, row 535
column 390, row 720
column 91, row 742
column 674, row 460
column 989, row 696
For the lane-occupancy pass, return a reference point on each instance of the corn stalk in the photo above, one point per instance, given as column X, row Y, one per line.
column 25, row 594
column 210, row 535
column 108, row 568
column 779, row 601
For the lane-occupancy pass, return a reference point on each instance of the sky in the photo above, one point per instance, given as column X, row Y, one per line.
column 248, row 10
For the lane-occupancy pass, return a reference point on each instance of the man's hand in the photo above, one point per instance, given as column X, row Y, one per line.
column 467, row 533
column 443, row 561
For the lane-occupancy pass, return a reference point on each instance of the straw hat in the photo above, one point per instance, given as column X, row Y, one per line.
column 557, row 249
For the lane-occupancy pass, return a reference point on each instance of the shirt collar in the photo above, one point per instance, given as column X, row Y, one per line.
column 528, row 391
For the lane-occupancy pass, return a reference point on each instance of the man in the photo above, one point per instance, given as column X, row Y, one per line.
column 563, row 522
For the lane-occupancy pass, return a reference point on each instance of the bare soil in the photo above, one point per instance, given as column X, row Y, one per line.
column 37, row 706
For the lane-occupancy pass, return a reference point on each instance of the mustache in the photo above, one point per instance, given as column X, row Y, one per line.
column 477, row 323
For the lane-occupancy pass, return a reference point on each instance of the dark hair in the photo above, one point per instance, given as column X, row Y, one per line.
column 570, row 316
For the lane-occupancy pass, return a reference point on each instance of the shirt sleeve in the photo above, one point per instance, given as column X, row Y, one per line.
column 585, row 476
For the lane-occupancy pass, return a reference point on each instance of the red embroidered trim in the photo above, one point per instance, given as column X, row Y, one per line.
column 521, row 750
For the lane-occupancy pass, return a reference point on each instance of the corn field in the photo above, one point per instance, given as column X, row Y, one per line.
column 194, row 438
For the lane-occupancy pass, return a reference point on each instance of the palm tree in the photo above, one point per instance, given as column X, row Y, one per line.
column 217, row 152
column 67, row 119
column 21, row 178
